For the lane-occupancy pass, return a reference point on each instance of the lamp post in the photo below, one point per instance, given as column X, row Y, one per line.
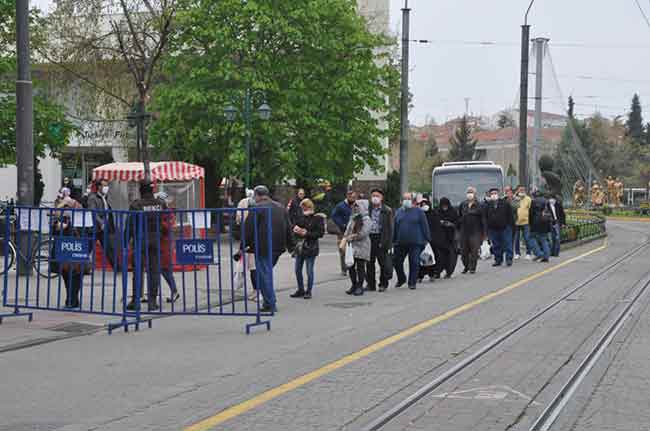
column 523, row 100
column 264, row 113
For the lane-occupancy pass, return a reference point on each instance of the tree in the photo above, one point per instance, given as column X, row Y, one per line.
column 634, row 124
column 505, row 120
column 322, row 73
column 462, row 145
column 572, row 105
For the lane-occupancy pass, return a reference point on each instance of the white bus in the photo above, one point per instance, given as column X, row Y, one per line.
column 452, row 179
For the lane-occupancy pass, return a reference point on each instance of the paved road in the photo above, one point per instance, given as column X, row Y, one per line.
column 335, row 362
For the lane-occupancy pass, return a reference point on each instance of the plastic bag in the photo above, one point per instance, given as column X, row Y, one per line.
column 485, row 250
column 427, row 258
column 349, row 256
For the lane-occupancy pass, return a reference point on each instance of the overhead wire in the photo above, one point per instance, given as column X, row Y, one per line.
column 645, row 17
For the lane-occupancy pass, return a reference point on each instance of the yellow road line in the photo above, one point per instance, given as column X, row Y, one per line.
column 241, row 408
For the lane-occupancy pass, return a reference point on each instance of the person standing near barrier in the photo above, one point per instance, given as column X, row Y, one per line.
column 357, row 233
column 473, row 230
column 521, row 204
column 70, row 272
column 295, row 208
column 167, row 224
column 341, row 217
column 499, row 222
column 381, row 241
column 559, row 220
column 308, row 229
column 281, row 241
column 410, row 236
column 103, row 219
column 150, row 237
column 541, row 220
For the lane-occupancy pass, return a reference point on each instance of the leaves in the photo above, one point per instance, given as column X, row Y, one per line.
column 462, row 145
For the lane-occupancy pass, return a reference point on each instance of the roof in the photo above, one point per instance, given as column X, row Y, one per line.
column 160, row 171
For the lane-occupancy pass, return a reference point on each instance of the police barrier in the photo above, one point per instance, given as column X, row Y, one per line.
column 112, row 263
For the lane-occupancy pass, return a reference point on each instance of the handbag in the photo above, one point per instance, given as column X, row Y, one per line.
column 349, row 256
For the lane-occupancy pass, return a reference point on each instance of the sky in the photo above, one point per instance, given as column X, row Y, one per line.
column 600, row 50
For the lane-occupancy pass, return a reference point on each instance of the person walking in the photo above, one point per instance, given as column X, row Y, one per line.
column 357, row 234
column 541, row 220
column 294, row 207
column 381, row 240
column 473, row 230
column 281, row 241
column 499, row 218
column 559, row 220
column 411, row 235
column 436, row 232
column 341, row 217
column 167, row 224
column 308, row 230
column 447, row 244
column 521, row 204
column 103, row 219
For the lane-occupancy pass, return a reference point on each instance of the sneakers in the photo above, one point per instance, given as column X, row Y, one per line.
column 400, row 284
column 517, row 256
column 529, row 257
column 298, row 294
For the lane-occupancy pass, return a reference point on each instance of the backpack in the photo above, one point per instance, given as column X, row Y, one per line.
column 545, row 217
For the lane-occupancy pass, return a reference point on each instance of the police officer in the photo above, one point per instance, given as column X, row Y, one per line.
column 149, row 232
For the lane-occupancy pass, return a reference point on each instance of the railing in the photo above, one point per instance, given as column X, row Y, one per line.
column 582, row 225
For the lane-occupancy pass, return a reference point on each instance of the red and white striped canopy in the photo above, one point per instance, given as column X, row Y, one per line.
column 160, row 171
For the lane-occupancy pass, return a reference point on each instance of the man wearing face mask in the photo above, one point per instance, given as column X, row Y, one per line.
column 499, row 221
column 381, row 238
column 559, row 220
column 103, row 219
column 410, row 236
column 341, row 217
column 522, row 203
column 473, row 230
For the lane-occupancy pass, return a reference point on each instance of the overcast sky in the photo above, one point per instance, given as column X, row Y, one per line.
column 603, row 73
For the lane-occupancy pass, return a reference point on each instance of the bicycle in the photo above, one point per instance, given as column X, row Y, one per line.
column 39, row 258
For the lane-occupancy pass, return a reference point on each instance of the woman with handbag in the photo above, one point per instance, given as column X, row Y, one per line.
column 308, row 230
column 357, row 234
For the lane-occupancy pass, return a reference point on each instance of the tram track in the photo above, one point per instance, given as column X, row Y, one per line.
column 392, row 413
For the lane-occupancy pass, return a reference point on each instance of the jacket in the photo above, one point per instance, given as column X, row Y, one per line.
column 100, row 218
column 522, row 206
column 435, row 228
column 314, row 225
column 540, row 210
column 559, row 217
column 361, row 243
column 386, row 221
column 448, row 220
column 472, row 219
column 167, row 223
column 411, row 227
column 281, row 235
column 152, row 208
column 295, row 211
column 499, row 216
column 341, row 215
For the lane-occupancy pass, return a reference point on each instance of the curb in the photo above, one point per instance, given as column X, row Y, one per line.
column 576, row 244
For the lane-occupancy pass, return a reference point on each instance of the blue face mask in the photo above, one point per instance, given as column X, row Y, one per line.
column 407, row 203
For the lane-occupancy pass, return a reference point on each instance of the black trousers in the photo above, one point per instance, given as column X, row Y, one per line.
column 72, row 281
column 377, row 254
column 150, row 267
column 448, row 259
column 470, row 247
column 358, row 273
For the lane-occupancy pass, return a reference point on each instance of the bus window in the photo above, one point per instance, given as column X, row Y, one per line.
column 453, row 185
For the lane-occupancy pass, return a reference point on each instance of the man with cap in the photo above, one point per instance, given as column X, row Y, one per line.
column 151, row 207
column 256, row 237
column 381, row 239
column 500, row 219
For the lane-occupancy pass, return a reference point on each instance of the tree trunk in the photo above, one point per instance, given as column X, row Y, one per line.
column 212, row 180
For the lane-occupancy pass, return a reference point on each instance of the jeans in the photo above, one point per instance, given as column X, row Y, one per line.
column 541, row 248
column 264, row 272
column 413, row 252
column 555, row 240
column 525, row 231
column 300, row 261
column 168, row 275
column 377, row 254
column 501, row 243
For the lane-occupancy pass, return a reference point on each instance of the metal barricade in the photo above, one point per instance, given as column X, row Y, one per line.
column 113, row 263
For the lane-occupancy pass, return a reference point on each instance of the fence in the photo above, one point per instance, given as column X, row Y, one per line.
column 582, row 225
column 113, row 263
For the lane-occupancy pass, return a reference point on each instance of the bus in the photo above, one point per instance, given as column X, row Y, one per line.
column 452, row 179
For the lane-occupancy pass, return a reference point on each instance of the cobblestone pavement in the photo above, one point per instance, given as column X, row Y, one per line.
column 187, row 369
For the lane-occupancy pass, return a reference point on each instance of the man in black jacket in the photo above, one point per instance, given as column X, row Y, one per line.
column 500, row 220
column 381, row 239
column 559, row 220
column 98, row 203
column 473, row 229
column 541, row 219
column 295, row 211
column 281, row 241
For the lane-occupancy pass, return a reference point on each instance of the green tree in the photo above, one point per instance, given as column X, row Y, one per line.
column 634, row 124
column 319, row 68
column 462, row 144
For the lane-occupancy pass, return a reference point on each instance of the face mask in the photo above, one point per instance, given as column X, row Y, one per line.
column 552, row 201
column 407, row 203
column 426, row 208
column 376, row 200
column 521, row 194
column 470, row 196
column 105, row 190
column 494, row 197
column 88, row 191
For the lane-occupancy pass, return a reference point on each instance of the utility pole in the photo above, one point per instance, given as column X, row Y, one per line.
column 540, row 50
column 24, row 129
column 404, row 120
column 523, row 101
column 467, row 99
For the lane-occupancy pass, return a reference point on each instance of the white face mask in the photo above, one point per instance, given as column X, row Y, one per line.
column 425, row 208
column 407, row 203
column 552, row 201
column 376, row 200
column 105, row 190
column 470, row 196
column 521, row 194
column 494, row 197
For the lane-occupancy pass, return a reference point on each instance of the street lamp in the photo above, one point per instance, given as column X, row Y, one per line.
column 263, row 112
column 523, row 101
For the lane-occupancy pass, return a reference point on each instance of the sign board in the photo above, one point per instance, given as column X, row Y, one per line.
column 82, row 219
column 195, row 252
column 72, row 249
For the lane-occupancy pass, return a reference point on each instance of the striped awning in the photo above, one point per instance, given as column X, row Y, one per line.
column 160, row 171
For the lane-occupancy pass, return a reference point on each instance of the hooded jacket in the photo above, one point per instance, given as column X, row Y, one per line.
column 448, row 220
column 361, row 244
